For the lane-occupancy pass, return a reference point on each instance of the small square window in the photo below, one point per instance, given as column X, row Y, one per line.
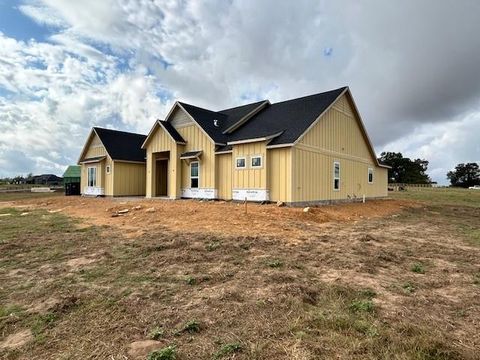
column 256, row 161
column 240, row 163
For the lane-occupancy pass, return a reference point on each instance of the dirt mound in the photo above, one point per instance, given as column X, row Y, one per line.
column 17, row 340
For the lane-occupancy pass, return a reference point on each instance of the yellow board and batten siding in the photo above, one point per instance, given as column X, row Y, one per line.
column 197, row 140
column 336, row 137
column 94, row 149
column 279, row 174
column 128, row 179
column 224, row 173
column 250, row 178
column 162, row 142
column 124, row 178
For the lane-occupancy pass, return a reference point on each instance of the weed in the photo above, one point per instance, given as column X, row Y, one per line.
column 368, row 293
column 409, row 287
column 227, row 349
column 418, row 268
column 362, row 306
column 191, row 327
column 275, row 263
column 42, row 322
column 190, row 280
column 365, row 327
column 156, row 333
column 13, row 310
column 167, row 353
column 213, row 245
column 476, row 279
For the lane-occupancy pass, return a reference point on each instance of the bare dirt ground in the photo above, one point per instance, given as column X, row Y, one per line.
column 395, row 279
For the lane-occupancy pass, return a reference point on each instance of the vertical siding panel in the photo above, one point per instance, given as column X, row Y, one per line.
column 337, row 132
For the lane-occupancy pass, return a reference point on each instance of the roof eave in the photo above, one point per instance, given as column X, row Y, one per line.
column 252, row 140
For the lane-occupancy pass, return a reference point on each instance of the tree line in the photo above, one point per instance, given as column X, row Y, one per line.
column 414, row 171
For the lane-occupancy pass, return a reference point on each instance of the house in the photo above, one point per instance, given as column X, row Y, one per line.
column 113, row 164
column 312, row 149
column 71, row 180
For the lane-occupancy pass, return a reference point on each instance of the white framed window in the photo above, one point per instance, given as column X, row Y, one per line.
column 241, row 162
column 194, row 174
column 370, row 175
column 256, row 161
column 336, row 176
column 92, row 176
column 108, row 169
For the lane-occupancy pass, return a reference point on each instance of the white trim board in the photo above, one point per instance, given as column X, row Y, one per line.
column 93, row 190
column 251, row 194
column 199, row 193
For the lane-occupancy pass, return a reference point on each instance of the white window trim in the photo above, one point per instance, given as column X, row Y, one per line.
column 195, row 177
column 238, row 158
column 261, row 161
column 339, row 175
column 108, row 169
column 88, row 176
column 368, row 175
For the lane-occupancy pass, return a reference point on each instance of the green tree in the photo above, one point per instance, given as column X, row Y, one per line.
column 405, row 170
column 465, row 175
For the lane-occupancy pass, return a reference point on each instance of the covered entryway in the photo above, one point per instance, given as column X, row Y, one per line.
column 161, row 181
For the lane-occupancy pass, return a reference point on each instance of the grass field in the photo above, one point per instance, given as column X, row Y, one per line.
column 330, row 284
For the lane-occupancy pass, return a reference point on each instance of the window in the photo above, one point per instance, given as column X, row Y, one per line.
column 92, row 176
column 370, row 175
column 240, row 162
column 336, row 175
column 108, row 169
column 194, row 167
column 256, row 161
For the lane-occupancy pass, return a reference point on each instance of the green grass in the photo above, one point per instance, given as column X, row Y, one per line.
column 191, row 327
column 440, row 196
column 13, row 196
column 418, row 268
column 167, row 353
column 227, row 350
column 362, row 306
column 275, row 263
column 156, row 333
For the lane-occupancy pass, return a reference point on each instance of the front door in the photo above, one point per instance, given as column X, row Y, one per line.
column 162, row 176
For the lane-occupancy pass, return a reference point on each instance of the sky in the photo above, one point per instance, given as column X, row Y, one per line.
column 413, row 68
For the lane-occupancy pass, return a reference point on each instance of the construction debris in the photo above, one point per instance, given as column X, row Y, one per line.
column 150, row 210
column 280, row 203
column 124, row 211
column 306, row 210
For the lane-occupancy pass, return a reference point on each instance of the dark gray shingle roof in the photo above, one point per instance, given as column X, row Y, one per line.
column 291, row 118
column 172, row 131
column 122, row 145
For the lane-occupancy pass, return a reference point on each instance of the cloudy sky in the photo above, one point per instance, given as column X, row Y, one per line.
column 413, row 68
